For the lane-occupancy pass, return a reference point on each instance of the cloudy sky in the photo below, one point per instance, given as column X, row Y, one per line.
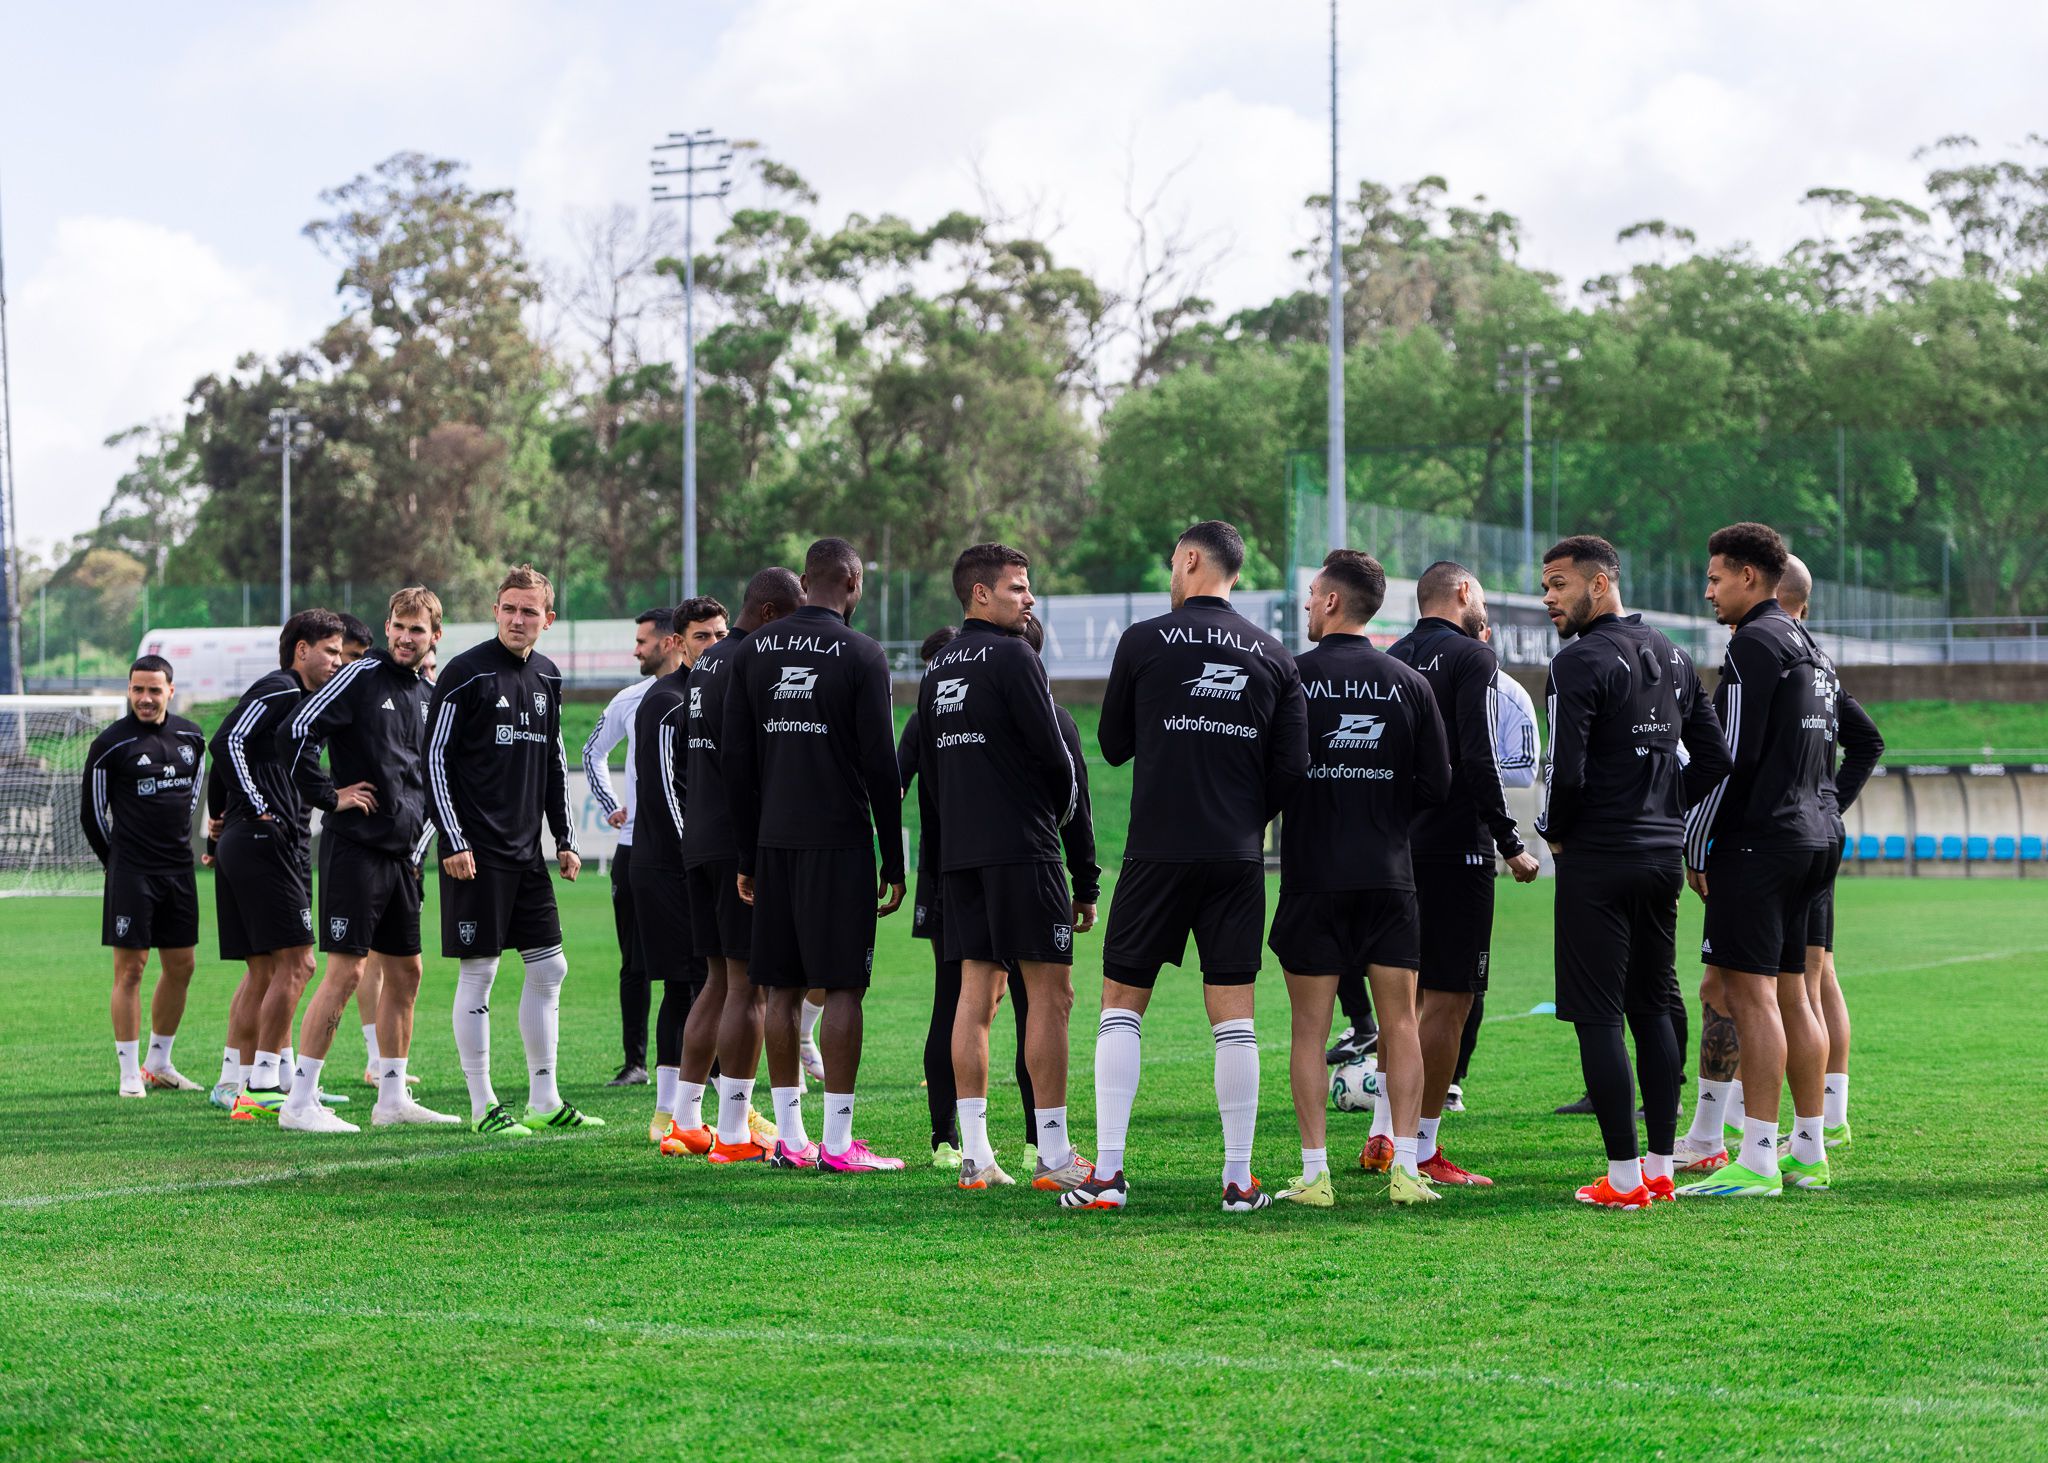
column 158, row 161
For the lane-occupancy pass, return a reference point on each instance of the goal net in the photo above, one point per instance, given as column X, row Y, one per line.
column 43, row 742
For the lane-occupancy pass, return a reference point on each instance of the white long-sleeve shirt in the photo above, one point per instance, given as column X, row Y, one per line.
column 1517, row 745
column 614, row 726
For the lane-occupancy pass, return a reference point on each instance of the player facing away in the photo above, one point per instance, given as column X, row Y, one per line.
column 1376, row 752
column 1622, row 699
column 724, row 1022
column 810, row 778
column 1453, row 844
column 1757, row 851
column 263, row 882
column 142, row 784
column 1209, row 708
column 1004, row 785
column 657, row 651
column 496, row 769
column 372, row 721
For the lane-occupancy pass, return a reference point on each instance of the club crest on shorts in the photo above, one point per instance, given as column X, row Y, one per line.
column 1220, row 679
column 466, row 932
column 917, row 916
column 121, row 925
column 337, row 928
column 306, row 917
column 797, row 680
column 1063, row 938
column 871, row 960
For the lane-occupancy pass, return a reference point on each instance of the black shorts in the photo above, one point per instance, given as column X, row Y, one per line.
column 1158, row 905
column 721, row 923
column 1009, row 913
column 928, row 911
column 262, row 891
column 662, row 913
column 500, row 909
column 1616, row 935
column 369, row 900
column 1820, row 913
column 1757, row 903
column 149, row 911
column 814, row 919
column 1455, row 899
column 624, row 925
column 1341, row 932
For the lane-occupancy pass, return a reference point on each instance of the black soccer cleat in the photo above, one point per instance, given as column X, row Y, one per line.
column 1352, row 1045
column 629, row 1076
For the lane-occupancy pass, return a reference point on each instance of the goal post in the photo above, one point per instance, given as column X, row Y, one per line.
column 43, row 746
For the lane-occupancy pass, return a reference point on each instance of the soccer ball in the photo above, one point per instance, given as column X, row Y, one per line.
column 1354, row 1085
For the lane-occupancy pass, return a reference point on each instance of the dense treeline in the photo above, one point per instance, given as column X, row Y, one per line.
column 921, row 385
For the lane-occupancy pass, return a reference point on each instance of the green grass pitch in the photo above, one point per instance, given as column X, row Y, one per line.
column 173, row 1286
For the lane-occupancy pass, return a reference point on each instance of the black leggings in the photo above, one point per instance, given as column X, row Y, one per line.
column 1604, row 1059
column 1355, row 997
column 940, row 1093
column 676, row 999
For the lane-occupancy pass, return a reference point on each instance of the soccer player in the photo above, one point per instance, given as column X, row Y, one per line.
column 660, row 903
column 1004, row 785
column 1209, row 706
column 1347, row 888
column 496, row 769
column 263, row 881
column 372, row 719
column 1453, row 846
column 810, row 778
column 1623, row 699
column 657, row 649
column 1757, row 851
column 724, row 1023
column 141, row 787
column 927, row 922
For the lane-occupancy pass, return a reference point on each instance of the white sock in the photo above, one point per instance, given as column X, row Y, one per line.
column 128, row 1054
column 973, row 1116
column 1759, row 1146
column 807, row 1023
column 665, row 1080
column 1237, row 1095
column 1054, row 1149
column 306, row 1083
column 374, row 1056
column 1657, row 1165
column 789, row 1115
column 735, row 1096
column 1116, row 1086
column 230, row 1066
column 1624, row 1175
column 1708, row 1111
column 248, row 1070
column 838, row 1121
column 1807, row 1145
column 689, row 1108
column 159, row 1059
column 1735, row 1116
column 1425, row 1139
column 1382, row 1114
column 263, row 1076
column 540, row 1024
column 1314, row 1161
column 1404, row 1156
column 1834, row 1102
column 391, row 1083
column 287, row 1067
column 473, row 980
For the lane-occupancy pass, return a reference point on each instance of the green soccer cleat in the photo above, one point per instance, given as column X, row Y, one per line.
column 1314, row 1193
column 1837, row 1137
column 945, row 1155
column 565, row 1116
column 498, row 1123
column 1404, row 1187
column 1732, row 1136
column 1734, row 1182
column 1803, row 1175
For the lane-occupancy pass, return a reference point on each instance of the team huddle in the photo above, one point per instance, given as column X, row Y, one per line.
column 762, row 840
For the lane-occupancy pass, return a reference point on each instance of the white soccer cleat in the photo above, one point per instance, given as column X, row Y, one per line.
column 133, row 1087
column 169, row 1078
column 409, row 1114
column 371, row 1079
column 812, row 1060
column 313, row 1119
column 1690, row 1155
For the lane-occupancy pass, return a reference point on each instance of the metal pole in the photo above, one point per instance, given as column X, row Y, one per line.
column 10, row 535
column 1528, row 484
column 1334, row 468
column 689, row 395
column 1842, row 499
column 284, row 532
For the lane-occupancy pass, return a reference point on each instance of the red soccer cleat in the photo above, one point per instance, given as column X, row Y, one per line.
column 738, row 1153
column 1606, row 1196
column 1439, row 1169
column 1662, row 1191
column 679, row 1141
column 1378, row 1156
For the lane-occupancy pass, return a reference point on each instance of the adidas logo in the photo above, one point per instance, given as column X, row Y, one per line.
column 143, row 760
column 1706, row 947
column 503, row 702
column 387, row 704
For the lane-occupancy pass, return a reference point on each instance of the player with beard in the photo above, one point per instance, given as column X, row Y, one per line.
column 1623, row 701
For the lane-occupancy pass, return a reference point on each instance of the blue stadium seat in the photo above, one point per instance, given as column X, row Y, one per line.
column 1869, row 848
column 2002, row 849
column 2030, row 848
column 1978, row 849
column 1951, row 849
column 1895, row 847
column 1923, row 846
column 1848, row 848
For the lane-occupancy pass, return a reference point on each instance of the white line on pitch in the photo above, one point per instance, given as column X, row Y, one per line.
column 246, row 1180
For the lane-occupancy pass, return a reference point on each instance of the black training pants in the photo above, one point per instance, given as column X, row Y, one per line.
column 941, row 1095
column 634, row 987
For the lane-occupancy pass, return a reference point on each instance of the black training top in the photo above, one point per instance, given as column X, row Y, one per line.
column 1461, row 671
column 809, row 755
column 1376, row 753
column 1851, row 731
column 246, row 746
column 495, row 760
column 1622, row 699
column 141, row 788
column 1210, row 706
column 372, row 718
column 1773, row 703
column 660, row 771
column 990, row 746
column 707, row 836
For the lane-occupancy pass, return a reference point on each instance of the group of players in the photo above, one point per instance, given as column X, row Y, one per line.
column 764, row 780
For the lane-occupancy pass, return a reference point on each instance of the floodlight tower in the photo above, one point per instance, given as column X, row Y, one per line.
column 1527, row 369
column 719, row 167
column 290, row 434
column 1334, row 465
column 10, row 540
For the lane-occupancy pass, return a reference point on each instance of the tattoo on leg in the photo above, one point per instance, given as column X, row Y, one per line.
column 1720, row 1051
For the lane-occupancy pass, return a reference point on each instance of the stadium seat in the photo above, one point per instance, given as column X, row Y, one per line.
column 1869, row 848
column 1848, row 848
column 1894, row 847
column 2002, row 849
column 1978, row 849
column 1951, row 849
column 1923, row 846
column 2030, row 848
